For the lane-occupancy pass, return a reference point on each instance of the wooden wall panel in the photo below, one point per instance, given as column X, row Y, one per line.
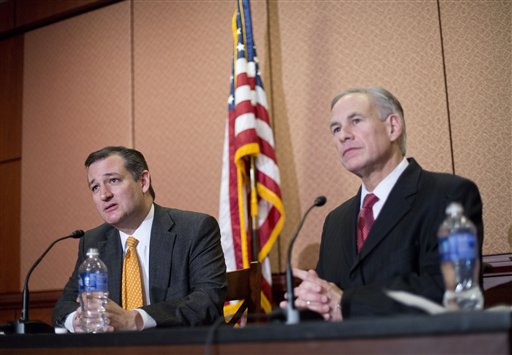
column 478, row 51
column 181, row 97
column 41, row 305
column 11, row 91
column 11, row 79
column 7, row 15
column 77, row 99
column 7, row 315
column 30, row 11
column 10, row 178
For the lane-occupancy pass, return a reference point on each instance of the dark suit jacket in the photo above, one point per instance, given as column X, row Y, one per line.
column 187, row 272
column 401, row 251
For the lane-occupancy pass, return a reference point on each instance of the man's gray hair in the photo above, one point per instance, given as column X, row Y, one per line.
column 385, row 103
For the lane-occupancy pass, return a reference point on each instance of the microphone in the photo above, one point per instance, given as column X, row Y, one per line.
column 24, row 325
column 292, row 314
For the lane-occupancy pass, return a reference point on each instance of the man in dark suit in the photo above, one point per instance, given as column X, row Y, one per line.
column 399, row 250
column 182, row 265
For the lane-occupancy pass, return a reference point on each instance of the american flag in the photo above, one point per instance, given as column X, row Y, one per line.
column 249, row 134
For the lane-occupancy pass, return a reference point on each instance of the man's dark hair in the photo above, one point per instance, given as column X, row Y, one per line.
column 134, row 161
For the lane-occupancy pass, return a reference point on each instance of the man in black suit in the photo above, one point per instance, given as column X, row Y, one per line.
column 182, row 264
column 400, row 251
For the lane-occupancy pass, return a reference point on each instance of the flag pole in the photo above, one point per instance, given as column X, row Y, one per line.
column 254, row 210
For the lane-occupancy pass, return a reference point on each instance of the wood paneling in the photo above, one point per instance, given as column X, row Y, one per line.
column 30, row 11
column 41, row 306
column 479, row 76
column 6, row 15
column 7, row 315
column 11, row 90
column 10, row 181
column 76, row 99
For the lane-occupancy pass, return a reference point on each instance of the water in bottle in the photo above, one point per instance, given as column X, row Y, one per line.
column 93, row 293
column 460, row 260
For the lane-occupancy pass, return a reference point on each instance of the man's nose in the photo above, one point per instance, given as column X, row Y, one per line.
column 345, row 134
column 105, row 193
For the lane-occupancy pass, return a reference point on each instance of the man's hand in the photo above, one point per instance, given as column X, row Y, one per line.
column 317, row 295
column 76, row 322
column 122, row 319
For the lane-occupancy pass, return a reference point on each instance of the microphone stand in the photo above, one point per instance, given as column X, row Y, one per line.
column 24, row 325
column 292, row 313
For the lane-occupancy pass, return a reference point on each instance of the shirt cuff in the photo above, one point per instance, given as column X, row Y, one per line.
column 68, row 324
column 148, row 321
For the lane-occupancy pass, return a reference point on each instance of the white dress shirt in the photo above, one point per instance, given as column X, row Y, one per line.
column 383, row 189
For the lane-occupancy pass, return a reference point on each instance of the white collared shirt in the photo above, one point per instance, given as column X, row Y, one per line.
column 383, row 189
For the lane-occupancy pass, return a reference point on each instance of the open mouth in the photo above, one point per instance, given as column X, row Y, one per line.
column 110, row 208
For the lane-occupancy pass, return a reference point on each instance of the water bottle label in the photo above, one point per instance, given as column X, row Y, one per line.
column 93, row 281
column 458, row 246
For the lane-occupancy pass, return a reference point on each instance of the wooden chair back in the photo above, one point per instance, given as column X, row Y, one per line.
column 245, row 284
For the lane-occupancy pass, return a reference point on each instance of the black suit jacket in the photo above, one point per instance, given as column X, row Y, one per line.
column 187, row 272
column 401, row 250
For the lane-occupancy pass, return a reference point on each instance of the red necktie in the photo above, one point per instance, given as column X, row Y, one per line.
column 365, row 222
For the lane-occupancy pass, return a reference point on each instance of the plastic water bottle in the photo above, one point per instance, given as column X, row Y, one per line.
column 460, row 260
column 93, row 293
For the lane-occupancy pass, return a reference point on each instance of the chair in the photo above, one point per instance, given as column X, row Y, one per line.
column 245, row 284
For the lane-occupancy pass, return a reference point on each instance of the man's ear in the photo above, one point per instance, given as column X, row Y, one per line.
column 145, row 180
column 394, row 127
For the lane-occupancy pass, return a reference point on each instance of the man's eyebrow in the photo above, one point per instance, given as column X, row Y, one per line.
column 335, row 123
column 353, row 114
column 349, row 117
column 105, row 175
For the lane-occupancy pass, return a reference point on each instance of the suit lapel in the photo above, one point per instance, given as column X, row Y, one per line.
column 160, row 251
column 350, row 249
column 399, row 202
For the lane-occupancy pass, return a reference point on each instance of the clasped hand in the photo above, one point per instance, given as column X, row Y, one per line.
column 317, row 295
column 119, row 319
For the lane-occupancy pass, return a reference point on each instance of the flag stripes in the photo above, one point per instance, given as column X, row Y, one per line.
column 249, row 136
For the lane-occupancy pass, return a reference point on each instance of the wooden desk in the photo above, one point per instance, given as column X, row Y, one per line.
column 468, row 333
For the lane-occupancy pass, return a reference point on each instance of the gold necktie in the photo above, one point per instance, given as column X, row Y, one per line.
column 132, row 281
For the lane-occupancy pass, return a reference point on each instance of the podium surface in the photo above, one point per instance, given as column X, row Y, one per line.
column 482, row 332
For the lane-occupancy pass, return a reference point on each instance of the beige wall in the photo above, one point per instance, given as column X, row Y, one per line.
column 157, row 78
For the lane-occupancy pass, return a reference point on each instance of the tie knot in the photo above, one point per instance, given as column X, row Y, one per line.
column 132, row 242
column 369, row 201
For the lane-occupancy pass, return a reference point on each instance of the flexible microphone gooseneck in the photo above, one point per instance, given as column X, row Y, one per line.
column 292, row 314
column 24, row 326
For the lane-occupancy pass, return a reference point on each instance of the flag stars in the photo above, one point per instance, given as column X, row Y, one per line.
column 230, row 99
column 240, row 47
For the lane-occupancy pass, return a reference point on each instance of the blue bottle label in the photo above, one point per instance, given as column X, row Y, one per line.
column 458, row 246
column 93, row 281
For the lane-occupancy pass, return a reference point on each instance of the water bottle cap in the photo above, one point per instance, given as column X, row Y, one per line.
column 454, row 209
column 92, row 252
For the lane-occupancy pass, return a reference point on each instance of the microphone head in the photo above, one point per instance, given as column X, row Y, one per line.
column 320, row 201
column 78, row 234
